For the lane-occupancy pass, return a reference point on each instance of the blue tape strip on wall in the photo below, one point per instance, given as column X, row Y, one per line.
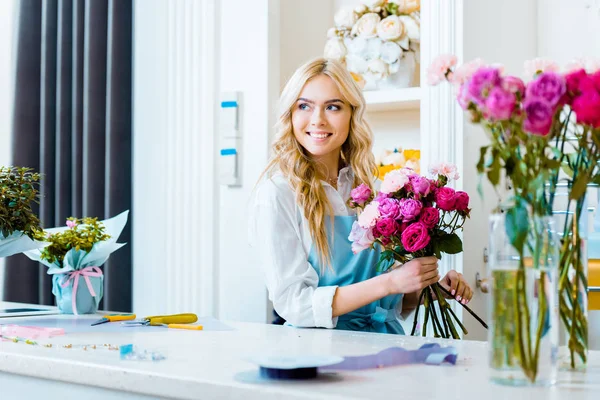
column 229, row 104
column 228, row 152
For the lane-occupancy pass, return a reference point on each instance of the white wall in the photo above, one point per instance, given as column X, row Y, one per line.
column 249, row 64
column 6, row 92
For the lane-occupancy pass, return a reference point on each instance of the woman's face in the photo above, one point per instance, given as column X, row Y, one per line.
column 321, row 118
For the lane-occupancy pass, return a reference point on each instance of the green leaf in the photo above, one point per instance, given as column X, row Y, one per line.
column 493, row 173
column 481, row 163
column 596, row 179
column 517, row 225
column 449, row 243
column 579, row 187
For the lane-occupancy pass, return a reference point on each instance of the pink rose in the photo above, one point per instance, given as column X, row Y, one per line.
column 538, row 116
column 415, row 237
column 573, row 80
column 482, row 82
column 463, row 73
column 513, row 84
column 587, row 108
column 430, row 216
column 390, row 208
column 394, row 181
column 387, row 226
column 500, row 104
column 448, row 170
column 462, row 200
column 360, row 237
column 410, row 209
column 445, row 197
column 361, row 194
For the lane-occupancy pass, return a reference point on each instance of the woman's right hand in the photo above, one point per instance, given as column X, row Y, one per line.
column 414, row 275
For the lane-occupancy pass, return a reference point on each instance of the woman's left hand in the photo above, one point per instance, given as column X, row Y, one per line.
column 456, row 284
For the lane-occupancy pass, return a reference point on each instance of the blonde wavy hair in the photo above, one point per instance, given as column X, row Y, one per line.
column 295, row 163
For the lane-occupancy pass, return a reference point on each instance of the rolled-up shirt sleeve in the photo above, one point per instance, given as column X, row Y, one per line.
column 291, row 281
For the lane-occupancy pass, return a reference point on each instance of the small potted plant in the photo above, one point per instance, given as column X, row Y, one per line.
column 77, row 251
column 19, row 226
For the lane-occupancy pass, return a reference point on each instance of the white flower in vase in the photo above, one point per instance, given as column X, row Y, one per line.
column 361, row 9
column 356, row 64
column 404, row 42
column 412, row 28
column 390, row 52
column 366, row 26
column 374, row 48
column 356, row 46
column 334, row 48
column 390, row 28
column 372, row 4
column 332, row 33
column 345, row 18
column 377, row 69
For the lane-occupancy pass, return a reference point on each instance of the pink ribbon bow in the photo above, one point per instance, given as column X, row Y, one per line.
column 74, row 276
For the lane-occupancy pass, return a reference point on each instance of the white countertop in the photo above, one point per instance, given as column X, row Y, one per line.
column 203, row 364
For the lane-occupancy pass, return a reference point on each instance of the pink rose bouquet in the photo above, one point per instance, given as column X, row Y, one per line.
column 413, row 216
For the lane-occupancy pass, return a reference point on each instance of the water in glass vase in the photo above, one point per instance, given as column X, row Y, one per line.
column 523, row 306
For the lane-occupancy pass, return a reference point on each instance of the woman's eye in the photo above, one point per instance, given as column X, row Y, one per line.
column 333, row 107
column 303, row 106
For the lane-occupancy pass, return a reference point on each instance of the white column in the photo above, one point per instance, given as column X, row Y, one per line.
column 174, row 189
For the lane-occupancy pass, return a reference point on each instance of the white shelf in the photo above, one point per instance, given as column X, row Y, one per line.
column 397, row 99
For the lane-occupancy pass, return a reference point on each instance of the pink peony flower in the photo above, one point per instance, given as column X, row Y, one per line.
column 463, row 73
column 440, row 68
column 539, row 116
column 380, row 196
column 513, row 84
column 420, row 185
column 361, row 194
column 390, row 208
column 415, row 237
column 387, row 226
column 549, row 86
column 430, row 216
column 482, row 82
column 410, row 209
column 394, row 181
column 445, row 198
column 462, row 200
column 360, row 237
column 500, row 104
column 587, row 108
column 538, row 66
column 369, row 216
column 573, row 81
column 71, row 224
column 448, row 170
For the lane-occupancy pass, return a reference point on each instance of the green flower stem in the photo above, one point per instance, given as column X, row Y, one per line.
column 414, row 328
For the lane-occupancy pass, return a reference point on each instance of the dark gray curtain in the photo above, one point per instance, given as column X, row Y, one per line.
column 72, row 122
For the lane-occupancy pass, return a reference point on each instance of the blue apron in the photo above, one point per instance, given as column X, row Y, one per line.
column 349, row 268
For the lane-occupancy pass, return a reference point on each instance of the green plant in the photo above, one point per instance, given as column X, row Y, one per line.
column 18, row 192
column 82, row 235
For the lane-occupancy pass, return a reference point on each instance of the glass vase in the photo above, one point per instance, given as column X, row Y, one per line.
column 523, row 306
column 571, row 220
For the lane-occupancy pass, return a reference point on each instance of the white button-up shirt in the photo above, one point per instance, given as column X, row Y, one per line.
column 279, row 232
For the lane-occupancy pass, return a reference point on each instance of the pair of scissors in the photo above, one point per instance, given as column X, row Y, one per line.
column 174, row 321
column 114, row 318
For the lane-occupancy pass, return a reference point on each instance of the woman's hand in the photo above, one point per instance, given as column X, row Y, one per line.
column 413, row 276
column 456, row 284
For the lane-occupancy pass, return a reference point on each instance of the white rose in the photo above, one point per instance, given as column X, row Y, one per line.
column 334, row 48
column 374, row 48
column 366, row 26
column 413, row 31
column 371, row 4
column 407, row 6
column 345, row 18
column 404, row 42
column 356, row 64
column 390, row 52
column 357, row 45
column 361, row 9
column 378, row 69
column 390, row 28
